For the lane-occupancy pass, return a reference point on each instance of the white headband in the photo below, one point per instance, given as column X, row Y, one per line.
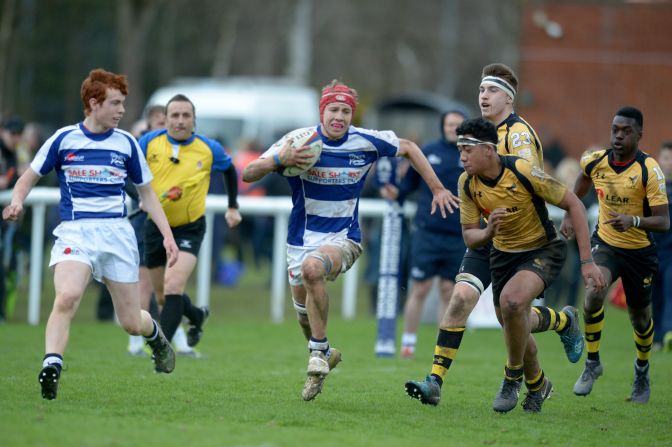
column 470, row 141
column 500, row 83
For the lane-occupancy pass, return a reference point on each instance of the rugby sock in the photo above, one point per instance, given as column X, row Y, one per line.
column 319, row 345
column 135, row 343
column 549, row 319
column 180, row 340
column 53, row 359
column 171, row 315
column 408, row 339
column 536, row 382
column 447, row 344
column 155, row 332
column 594, row 324
column 193, row 313
column 153, row 307
column 643, row 343
column 513, row 373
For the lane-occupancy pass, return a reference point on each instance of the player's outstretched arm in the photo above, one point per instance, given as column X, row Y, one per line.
column 443, row 199
column 581, row 187
column 153, row 207
column 23, row 186
column 232, row 215
column 576, row 213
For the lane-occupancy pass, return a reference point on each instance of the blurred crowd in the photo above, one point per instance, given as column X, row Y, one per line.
column 18, row 143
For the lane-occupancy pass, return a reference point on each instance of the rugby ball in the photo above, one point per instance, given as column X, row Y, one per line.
column 304, row 137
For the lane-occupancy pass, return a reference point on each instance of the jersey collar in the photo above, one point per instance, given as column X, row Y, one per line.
column 95, row 136
column 181, row 142
column 331, row 142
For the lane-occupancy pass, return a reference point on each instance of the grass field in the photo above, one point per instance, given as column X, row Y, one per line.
column 246, row 390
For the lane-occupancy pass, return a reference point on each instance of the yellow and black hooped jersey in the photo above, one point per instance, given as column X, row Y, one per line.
column 181, row 172
column 522, row 189
column 631, row 188
column 516, row 137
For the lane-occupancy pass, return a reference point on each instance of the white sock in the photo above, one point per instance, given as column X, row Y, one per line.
column 52, row 360
column 135, row 342
column 180, row 340
column 409, row 339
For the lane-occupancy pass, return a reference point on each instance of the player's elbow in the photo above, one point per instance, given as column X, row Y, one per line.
column 249, row 175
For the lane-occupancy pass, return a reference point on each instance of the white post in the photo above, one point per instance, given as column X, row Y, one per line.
column 349, row 304
column 205, row 262
column 279, row 267
column 36, row 261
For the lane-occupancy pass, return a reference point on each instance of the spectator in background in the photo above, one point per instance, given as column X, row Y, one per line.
column 10, row 137
column 259, row 230
column 662, row 286
column 437, row 244
column 564, row 290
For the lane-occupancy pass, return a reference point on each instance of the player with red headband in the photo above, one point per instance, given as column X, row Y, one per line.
column 324, row 238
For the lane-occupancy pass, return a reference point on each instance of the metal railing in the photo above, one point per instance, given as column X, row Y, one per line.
column 278, row 207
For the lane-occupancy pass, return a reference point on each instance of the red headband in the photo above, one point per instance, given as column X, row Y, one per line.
column 337, row 93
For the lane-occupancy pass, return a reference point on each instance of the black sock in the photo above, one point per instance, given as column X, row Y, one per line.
column 193, row 313
column 153, row 307
column 171, row 315
column 513, row 374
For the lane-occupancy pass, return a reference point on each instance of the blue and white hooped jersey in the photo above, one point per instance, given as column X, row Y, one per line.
column 326, row 197
column 92, row 170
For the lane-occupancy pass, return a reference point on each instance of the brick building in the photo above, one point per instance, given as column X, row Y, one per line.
column 579, row 63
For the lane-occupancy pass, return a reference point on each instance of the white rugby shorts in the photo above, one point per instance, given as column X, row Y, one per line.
column 107, row 246
column 350, row 252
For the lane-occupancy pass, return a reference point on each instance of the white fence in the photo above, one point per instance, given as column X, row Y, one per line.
column 278, row 207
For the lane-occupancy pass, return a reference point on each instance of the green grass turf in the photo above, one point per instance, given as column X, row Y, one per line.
column 246, row 391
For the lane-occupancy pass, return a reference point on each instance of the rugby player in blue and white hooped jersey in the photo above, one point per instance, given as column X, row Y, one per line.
column 324, row 235
column 92, row 160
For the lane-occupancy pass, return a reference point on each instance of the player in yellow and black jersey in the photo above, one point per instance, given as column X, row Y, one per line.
column 527, row 255
column 514, row 137
column 631, row 192
column 181, row 162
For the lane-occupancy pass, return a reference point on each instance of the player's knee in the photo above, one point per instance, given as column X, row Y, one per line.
column 463, row 298
column 640, row 321
column 132, row 327
column 312, row 270
column 173, row 286
column 66, row 302
column 511, row 305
